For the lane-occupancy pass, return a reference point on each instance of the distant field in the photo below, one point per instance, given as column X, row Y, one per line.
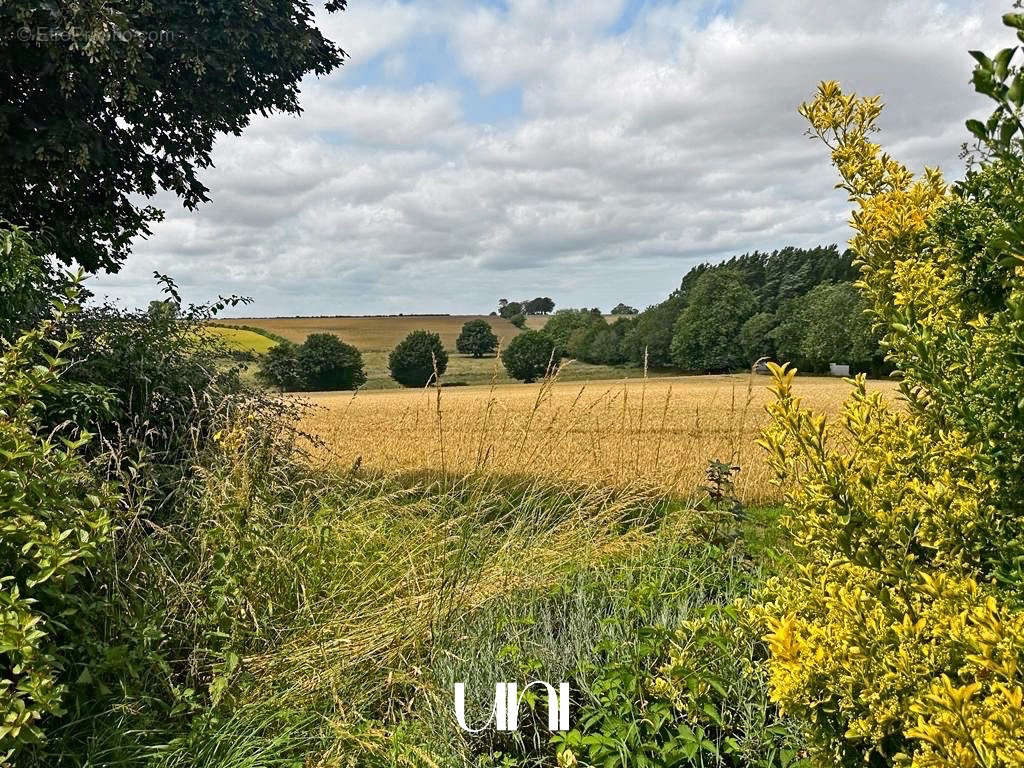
column 661, row 432
column 376, row 336
column 377, row 333
column 243, row 340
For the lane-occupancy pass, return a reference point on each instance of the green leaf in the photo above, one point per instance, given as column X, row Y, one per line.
column 983, row 81
column 1015, row 20
column 1015, row 93
column 712, row 712
column 1002, row 62
column 977, row 128
column 1006, row 132
column 982, row 59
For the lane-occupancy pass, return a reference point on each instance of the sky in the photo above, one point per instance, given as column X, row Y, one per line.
column 587, row 150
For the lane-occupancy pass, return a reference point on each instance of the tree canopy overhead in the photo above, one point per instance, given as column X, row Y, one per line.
column 106, row 103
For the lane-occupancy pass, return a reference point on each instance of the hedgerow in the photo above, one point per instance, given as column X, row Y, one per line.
column 900, row 638
column 54, row 519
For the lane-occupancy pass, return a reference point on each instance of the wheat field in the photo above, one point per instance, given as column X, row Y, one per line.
column 658, row 432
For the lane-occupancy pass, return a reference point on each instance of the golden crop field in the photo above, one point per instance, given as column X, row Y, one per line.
column 660, row 432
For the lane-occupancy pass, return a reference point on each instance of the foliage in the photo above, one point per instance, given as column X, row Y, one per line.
column 690, row 697
column 165, row 310
column 592, row 339
column 650, row 336
column 278, row 615
column 80, row 89
column 1002, row 134
column 418, row 359
column 280, row 368
column 26, row 283
column 54, row 518
column 606, row 345
column 837, row 327
column 788, row 334
column 541, row 305
column 148, row 385
column 530, row 356
column 509, row 309
column 756, row 336
column 829, row 324
column 476, row 339
column 788, row 273
column 775, row 278
column 707, row 331
column 328, row 363
column 624, row 309
column 900, row 639
column 722, row 486
column 538, row 306
column 567, row 329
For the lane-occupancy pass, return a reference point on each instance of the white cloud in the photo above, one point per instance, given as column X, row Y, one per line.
column 635, row 155
column 368, row 29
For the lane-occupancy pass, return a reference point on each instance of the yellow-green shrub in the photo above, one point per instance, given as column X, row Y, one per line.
column 900, row 637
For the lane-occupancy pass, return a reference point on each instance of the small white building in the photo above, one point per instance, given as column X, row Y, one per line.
column 835, row 369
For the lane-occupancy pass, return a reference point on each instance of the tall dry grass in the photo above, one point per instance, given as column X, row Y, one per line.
column 319, row 617
column 354, row 602
column 658, row 433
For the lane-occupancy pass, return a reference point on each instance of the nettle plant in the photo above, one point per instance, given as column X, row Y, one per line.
column 900, row 638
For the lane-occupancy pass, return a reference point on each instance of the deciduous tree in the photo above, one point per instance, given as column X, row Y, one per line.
column 529, row 356
column 280, row 368
column 417, row 359
column 477, row 339
column 706, row 336
column 328, row 363
column 105, row 104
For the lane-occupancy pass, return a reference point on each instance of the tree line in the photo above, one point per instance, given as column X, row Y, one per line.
column 516, row 311
column 794, row 304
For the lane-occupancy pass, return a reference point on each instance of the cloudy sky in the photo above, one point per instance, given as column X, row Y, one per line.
column 587, row 150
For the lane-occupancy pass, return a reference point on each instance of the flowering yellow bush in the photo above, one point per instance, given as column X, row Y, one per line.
column 899, row 639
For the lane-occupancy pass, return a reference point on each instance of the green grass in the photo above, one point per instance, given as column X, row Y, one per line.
column 242, row 340
column 320, row 617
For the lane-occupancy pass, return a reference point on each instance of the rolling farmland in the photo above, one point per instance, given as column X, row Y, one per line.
column 375, row 336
